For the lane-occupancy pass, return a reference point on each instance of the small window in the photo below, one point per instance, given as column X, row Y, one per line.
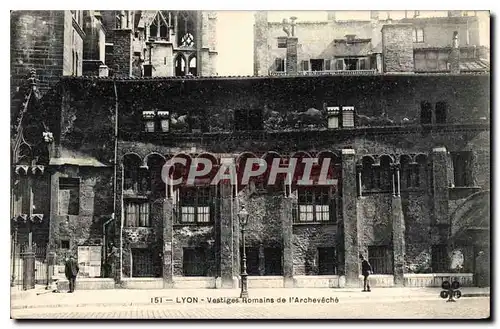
column 248, row 120
column 64, row 244
column 425, row 113
column 441, row 110
column 348, row 116
column 304, row 65
column 439, row 259
column 351, row 64
column 363, row 64
column 281, row 42
column 194, row 262
column 69, row 196
column 137, row 213
column 195, row 205
column 317, row 64
column 418, row 35
column 462, row 168
column 328, row 64
column 279, row 64
column 339, row 64
column 380, row 258
column 327, row 261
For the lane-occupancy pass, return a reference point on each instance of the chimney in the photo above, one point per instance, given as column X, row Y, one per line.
column 122, row 48
column 397, row 48
column 331, row 16
column 291, row 55
column 454, row 57
column 374, row 15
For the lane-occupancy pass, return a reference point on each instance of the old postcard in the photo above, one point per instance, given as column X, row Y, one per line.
column 252, row 164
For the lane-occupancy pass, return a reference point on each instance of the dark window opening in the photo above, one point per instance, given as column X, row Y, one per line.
column 380, row 258
column 304, row 65
column 192, row 66
column 153, row 30
column 144, row 264
column 248, row 120
column 69, row 196
column 339, row 64
column 196, row 204
column 317, row 64
column 64, row 244
column 425, row 113
column 351, row 64
column 194, row 262
column 363, row 64
column 272, row 261
column 328, row 64
column 462, row 168
column 279, row 65
column 253, row 261
column 439, row 259
column 327, row 264
column 441, row 109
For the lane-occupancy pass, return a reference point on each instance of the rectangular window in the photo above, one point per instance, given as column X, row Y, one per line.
column 69, row 196
column 279, row 64
column 351, row 64
column 327, row 261
column 304, row 65
column 462, row 168
column 348, row 116
column 328, row 64
column 245, row 120
column 195, row 205
column 315, row 204
column 194, row 262
column 425, row 113
column 380, row 258
column 317, row 64
column 339, row 64
column 363, row 64
column 441, row 111
column 137, row 213
column 418, row 35
column 64, row 244
column 439, row 259
column 272, row 261
column 281, row 42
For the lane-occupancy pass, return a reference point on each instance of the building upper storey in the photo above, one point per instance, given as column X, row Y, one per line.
column 357, row 47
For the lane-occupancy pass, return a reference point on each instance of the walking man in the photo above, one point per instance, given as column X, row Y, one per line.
column 366, row 270
column 71, row 270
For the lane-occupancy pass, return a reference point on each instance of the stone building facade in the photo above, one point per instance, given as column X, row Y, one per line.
column 335, row 46
column 409, row 153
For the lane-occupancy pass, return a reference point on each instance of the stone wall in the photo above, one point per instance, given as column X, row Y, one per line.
column 190, row 236
column 306, row 241
column 397, row 48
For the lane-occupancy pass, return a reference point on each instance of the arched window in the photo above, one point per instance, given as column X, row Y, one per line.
column 425, row 113
column 186, row 29
column 135, row 180
column 385, row 173
column 441, row 110
column 192, row 66
column 368, row 173
column 159, row 28
column 180, row 66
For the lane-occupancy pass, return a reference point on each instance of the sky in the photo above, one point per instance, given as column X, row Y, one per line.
column 235, row 33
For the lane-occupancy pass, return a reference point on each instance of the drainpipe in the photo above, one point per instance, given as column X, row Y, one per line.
column 115, row 177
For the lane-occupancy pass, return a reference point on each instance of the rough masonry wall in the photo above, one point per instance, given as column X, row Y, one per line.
column 397, row 48
column 306, row 241
column 192, row 236
column 374, row 213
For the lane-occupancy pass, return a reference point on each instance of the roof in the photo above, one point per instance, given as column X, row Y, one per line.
column 361, row 47
column 474, row 65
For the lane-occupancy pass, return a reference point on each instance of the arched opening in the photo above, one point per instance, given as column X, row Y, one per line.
column 134, row 181
column 441, row 111
column 180, row 66
column 193, row 66
column 425, row 113
column 368, row 173
column 186, row 29
column 385, row 173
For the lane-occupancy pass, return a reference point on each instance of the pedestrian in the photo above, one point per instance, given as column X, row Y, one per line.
column 366, row 270
column 71, row 270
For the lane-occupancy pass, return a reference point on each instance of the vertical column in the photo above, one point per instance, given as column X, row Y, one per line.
column 291, row 55
column 440, row 189
column 350, row 218
column 122, row 52
column 168, row 221
column 226, row 232
column 286, row 221
column 398, row 231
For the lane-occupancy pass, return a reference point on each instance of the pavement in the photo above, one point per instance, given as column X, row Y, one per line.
column 40, row 298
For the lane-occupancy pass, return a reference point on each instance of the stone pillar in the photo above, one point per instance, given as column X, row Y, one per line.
column 122, row 52
column 440, row 189
column 168, row 257
column 286, row 220
column 397, row 48
column 260, row 44
column 350, row 218
column 28, row 270
column 398, row 233
column 226, row 235
column 291, row 55
column 51, row 262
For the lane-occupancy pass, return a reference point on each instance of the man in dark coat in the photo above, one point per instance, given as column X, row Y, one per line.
column 71, row 270
column 366, row 270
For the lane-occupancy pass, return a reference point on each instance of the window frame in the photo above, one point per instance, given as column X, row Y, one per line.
column 309, row 198
column 138, row 212
column 323, row 252
column 198, row 262
column 416, row 35
column 193, row 205
column 466, row 164
column 439, row 258
column 381, row 264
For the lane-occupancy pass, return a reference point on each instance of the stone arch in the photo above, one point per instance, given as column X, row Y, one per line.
column 180, row 60
column 472, row 214
column 151, row 155
column 192, row 63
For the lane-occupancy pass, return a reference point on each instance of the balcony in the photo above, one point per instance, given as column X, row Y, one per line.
column 329, row 72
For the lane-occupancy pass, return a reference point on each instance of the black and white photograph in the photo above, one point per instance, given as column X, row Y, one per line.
column 250, row 164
